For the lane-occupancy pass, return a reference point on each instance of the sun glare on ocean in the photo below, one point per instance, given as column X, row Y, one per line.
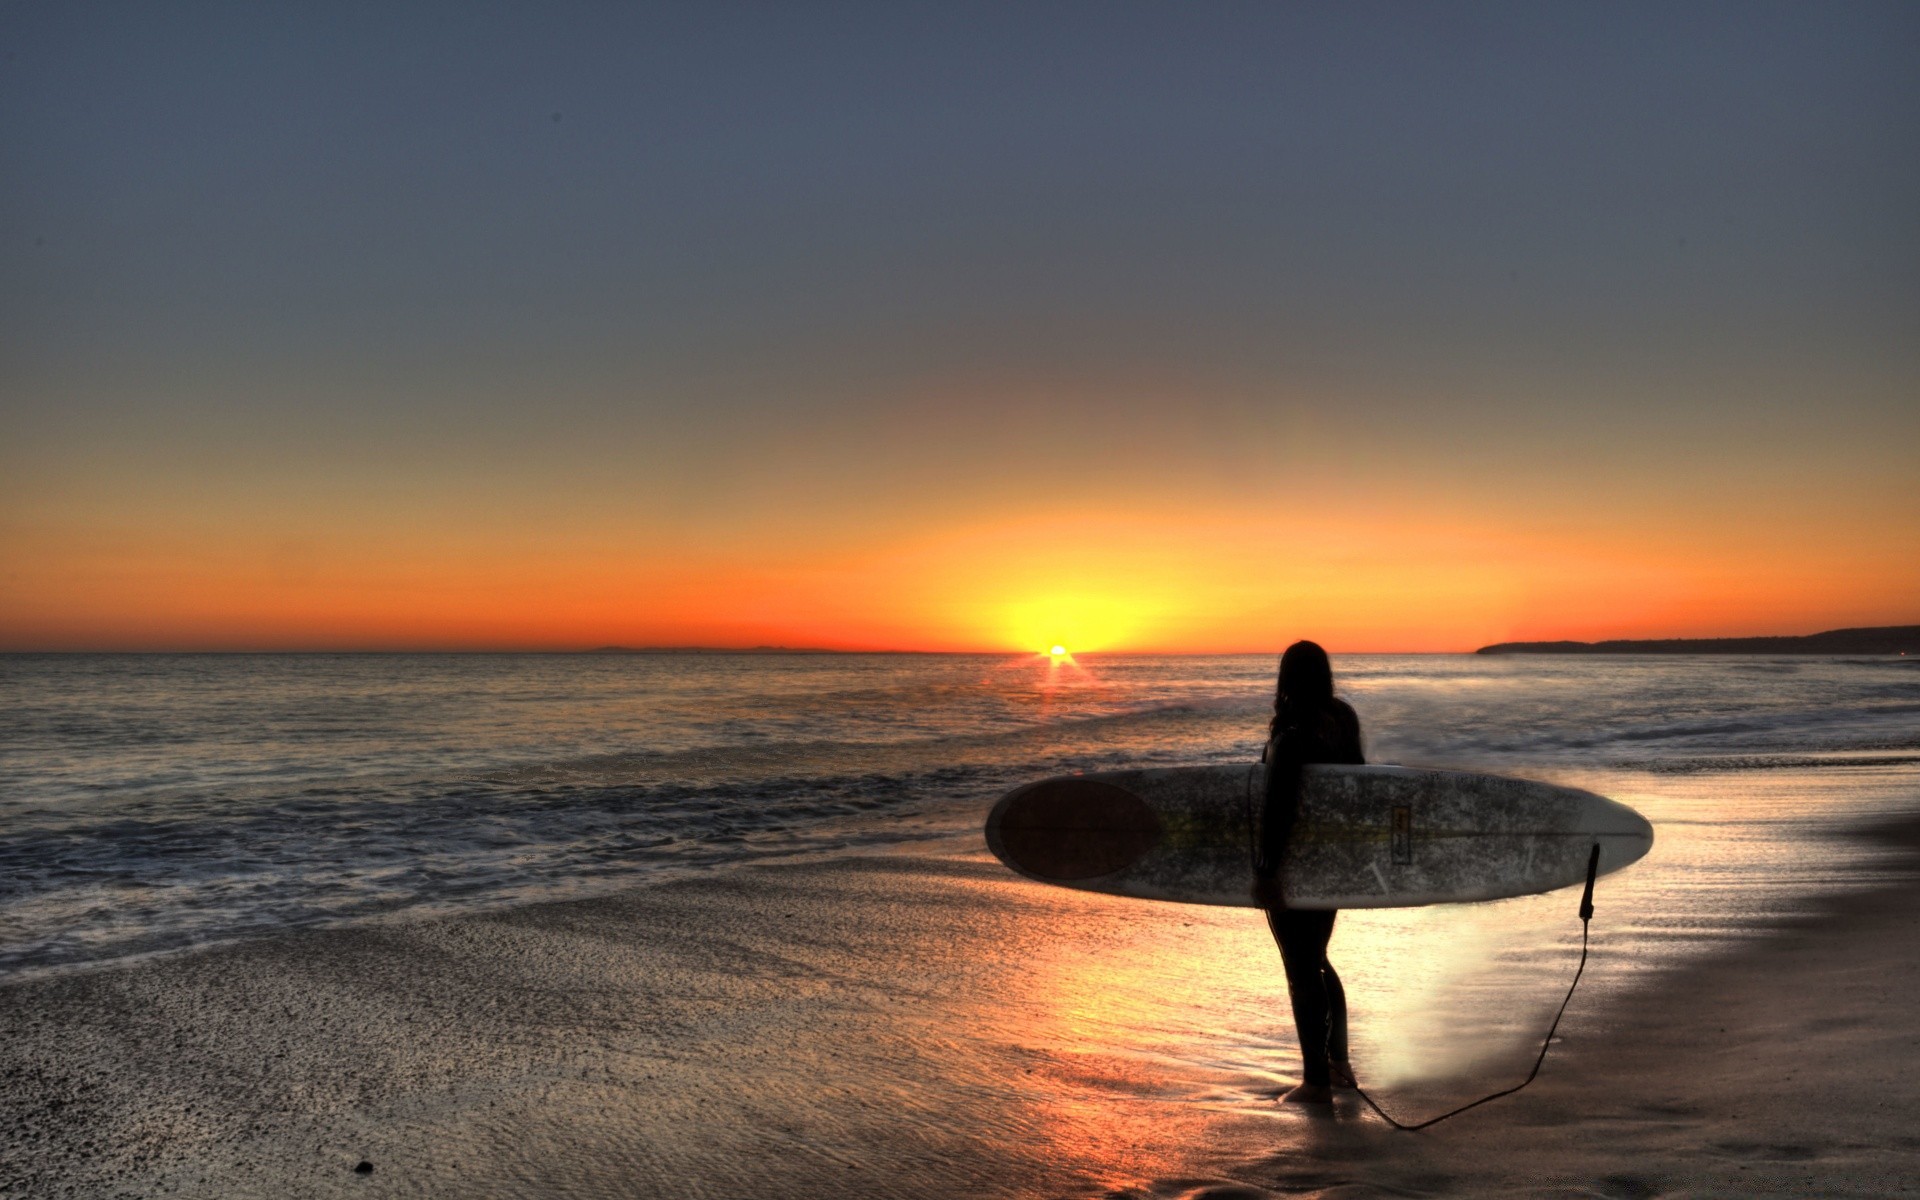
column 1061, row 666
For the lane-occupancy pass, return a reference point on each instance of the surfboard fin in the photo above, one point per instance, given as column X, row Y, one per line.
column 1593, row 872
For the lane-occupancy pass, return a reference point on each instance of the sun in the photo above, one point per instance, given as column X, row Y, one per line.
column 1061, row 625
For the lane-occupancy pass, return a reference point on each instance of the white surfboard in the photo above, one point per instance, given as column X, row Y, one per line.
column 1367, row 837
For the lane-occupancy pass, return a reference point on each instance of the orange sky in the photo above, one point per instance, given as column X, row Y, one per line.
column 1364, row 564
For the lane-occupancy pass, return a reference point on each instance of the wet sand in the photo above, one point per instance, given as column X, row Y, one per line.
column 1790, row 1067
column 915, row 1026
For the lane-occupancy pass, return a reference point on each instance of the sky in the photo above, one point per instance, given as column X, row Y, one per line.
column 955, row 327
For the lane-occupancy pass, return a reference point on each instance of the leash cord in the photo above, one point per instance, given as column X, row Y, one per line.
column 1586, row 920
column 1384, row 1116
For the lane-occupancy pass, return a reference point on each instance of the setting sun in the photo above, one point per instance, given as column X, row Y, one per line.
column 1058, row 651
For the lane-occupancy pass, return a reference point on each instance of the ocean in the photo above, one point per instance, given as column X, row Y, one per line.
column 152, row 803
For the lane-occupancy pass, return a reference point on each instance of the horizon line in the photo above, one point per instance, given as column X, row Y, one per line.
column 776, row 650
column 696, row 651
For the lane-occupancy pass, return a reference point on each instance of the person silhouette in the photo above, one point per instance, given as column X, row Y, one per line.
column 1310, row 725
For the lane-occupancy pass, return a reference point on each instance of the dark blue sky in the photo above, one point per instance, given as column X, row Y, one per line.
column 1050, row 180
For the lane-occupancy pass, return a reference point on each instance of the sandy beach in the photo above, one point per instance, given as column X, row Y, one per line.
column 917, row 1026
column 1786, row 1068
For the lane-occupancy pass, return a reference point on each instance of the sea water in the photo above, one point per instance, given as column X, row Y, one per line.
column 150, row 803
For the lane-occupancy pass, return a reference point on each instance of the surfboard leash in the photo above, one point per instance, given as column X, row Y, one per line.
column 1586, row 918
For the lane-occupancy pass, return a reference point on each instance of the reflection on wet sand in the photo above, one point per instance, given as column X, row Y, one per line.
column 1174, row 1016
column 1112, row 1003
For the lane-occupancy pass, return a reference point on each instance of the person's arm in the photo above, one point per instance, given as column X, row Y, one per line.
column 1353, row 750
column 1280, row 807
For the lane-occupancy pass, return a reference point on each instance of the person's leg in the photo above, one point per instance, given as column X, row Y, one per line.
column 1339, row 1063
column 1302, row 937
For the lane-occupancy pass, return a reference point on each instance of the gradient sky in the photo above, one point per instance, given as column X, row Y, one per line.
column 1189, row 327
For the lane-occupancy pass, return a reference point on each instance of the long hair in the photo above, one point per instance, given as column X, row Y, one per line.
column 1306, row 686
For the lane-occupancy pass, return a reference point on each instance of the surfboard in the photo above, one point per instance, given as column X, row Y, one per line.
column 1367, row 837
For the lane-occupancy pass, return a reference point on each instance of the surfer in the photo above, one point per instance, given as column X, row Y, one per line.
column 1310, row 725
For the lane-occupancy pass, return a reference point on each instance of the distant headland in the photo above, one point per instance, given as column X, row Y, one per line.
column 1885, row 639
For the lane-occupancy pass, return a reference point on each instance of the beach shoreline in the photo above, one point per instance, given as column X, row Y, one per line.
column 906, row 1025
column 1779, row 1065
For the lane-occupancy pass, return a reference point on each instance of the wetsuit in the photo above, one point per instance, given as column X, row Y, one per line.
column 1329, row 735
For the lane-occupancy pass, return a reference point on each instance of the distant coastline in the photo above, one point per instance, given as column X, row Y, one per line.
column 1885, row 639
